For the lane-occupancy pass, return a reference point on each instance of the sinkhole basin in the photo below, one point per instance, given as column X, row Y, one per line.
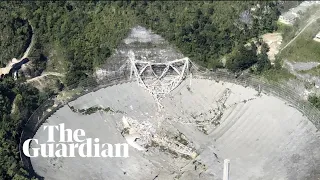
column 203, row 121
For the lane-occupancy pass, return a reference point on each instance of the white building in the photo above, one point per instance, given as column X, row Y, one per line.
column 288, row 18
column 317, row 37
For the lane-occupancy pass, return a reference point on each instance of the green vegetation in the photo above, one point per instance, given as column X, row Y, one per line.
column 205, row 31
column 87, row 33
column 263, row 62
column 92, row 110
column 57, row 60
column 80, row 36
column 76, row 37
column 277, row 75
column 304, row 48
column 312, row 12
column 15, row 35
column 287, row 32
column 315, row 100
column 314, row 71
column 242, row 58
column 17, row 102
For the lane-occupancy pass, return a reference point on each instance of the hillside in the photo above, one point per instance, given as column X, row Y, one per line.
column 76, row 38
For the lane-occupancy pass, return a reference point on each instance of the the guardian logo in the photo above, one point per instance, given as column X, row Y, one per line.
column 72, row 144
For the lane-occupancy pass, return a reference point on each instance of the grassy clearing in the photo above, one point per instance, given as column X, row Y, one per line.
column 286, row 31
column 289, row 32
column 304, row 48
column 66, row 95
column 56, row 62
column 314, row 71
column 47, row 82
column 274, row 75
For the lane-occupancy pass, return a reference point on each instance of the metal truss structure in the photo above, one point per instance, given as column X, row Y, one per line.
column 159, row 79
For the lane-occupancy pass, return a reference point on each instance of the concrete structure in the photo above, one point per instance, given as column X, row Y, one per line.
column 287, row 18
column 198, row 126
column 226, row 169
column 317, row 37
column 261, row 135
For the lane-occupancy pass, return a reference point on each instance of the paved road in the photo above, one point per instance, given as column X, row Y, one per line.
column 315, row 17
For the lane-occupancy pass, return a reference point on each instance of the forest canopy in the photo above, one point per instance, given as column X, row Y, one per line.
column 15, row 33
column 84, row 34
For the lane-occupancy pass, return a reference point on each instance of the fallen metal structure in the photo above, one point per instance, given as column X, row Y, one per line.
column 265, row 130
column 159, row 79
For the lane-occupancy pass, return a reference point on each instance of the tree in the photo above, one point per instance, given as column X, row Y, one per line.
column 264, row 48
column 263, row 62
column 241, row 58
column 315, row 100
column 277, row 63
column 24, row 99
column 86, row 33
column 4, row 105
column 59, row 86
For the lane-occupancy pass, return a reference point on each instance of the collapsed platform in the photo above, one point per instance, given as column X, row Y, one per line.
column 188, row 131
column 261, row 135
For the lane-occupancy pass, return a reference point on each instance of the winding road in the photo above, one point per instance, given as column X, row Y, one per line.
column 6, row 70
column 10, row 65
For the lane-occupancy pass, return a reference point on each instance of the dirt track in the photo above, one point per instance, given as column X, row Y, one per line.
column 7, row 69
column 303, row 29
column 45, row 74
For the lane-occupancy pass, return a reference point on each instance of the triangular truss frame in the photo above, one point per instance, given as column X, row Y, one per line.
column 159, row 85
